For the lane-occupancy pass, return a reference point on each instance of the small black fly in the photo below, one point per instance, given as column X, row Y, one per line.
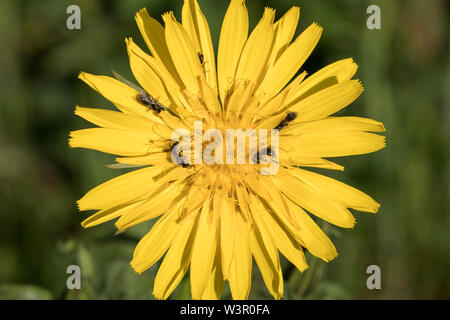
column 177, row 157
column 150, row 102
column 291, row 116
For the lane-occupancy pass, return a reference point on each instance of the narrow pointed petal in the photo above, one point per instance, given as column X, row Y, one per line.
column 155, row 205
column 197, row 27
column 258, row 45
column 266, row 256
column 349, row 196
column 291, row 60
column 335, row 123
column 141, row 66
column 222, row 206
column 310, row 234
column 122, row 96
column 216, row 281
column 337, row 72
column 287, row 245
column 233, row 36
column 302, row 161
column 118, row 142
column 109, row 214
column 327, row 101
column 203, row 252
column 313, row 201
column 176, row 261
column 284, row 32
column 123, row 121
column 153, row 33
column 183, row 53
column 155, row 243
column 132, row 186
column 154, row 159
column 334, row 143
column 241, row 267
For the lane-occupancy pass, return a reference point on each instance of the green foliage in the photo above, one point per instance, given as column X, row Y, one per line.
column 404, row 68
column 23, row 292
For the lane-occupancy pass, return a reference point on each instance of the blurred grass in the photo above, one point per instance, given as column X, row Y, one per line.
column 404, row 68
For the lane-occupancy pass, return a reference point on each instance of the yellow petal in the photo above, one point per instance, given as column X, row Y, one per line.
column 128, row 187
column 243, row 200
column 123, row 121
column 109, row 214
column 327, row 101
column 333, row 143
column 235, row 98
column 291, row 60
column 153, row 33
column 241, row 267
column 332, row 74
column 313, row 201
column 192, row 200
column 119, row 142
column 176, row 261
column 222, row 206
column 233, row 36
column 203, row 252
column 349, row 196
column 183, row 53
column 210, row 97
column 155, row 159
column 142, row 68
column 333, row 123
column 155, row 243
column 272, row 199
column 154, row 206
column 310, row 235
column 216, row 281
column 254, row 58
column 122, row 96
column 156, row 79
column 288, row 158
column 197, row 27
column 287, row 245
column 284, row 32
column 266, row 256
column 273, row 105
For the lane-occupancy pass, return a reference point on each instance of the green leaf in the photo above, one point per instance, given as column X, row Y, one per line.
column 86, row 262
column 15, row 291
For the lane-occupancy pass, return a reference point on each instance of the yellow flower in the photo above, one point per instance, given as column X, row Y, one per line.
column 215, row 218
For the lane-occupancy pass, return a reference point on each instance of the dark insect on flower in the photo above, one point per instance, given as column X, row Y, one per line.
column 150, row 102
column 177, row 156
column 291, row 116
column 201, row 58
column 257, row 156
column 144, row 98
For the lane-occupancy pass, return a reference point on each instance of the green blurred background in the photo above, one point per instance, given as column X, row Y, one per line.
column 404, row 68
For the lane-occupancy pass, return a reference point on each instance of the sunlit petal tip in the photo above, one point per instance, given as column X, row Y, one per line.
column 375, row 208
column 168, row 16
column 86, row 77
column 83, row 76
column 140, row 12
column 135, row 267
column 80, row 74
column 79, row 205
column 332, row 256
column 361, row 86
